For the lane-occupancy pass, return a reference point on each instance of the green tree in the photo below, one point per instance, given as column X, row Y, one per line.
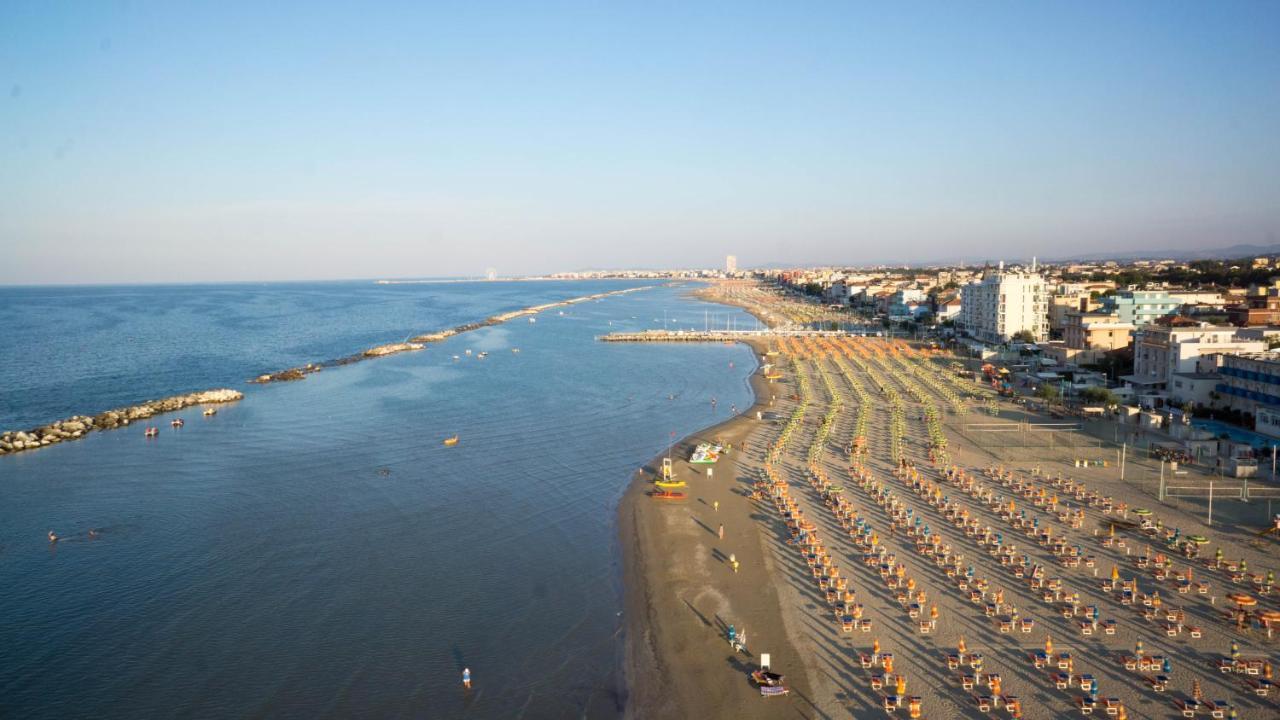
column 1099, row 396
column 1024, row 336
column 1048, row 392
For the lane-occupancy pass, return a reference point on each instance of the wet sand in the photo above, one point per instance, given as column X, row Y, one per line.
column 681, row 593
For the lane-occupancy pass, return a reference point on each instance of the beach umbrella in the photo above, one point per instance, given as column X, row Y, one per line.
column 1235, row 650
column 1242, row 599
column 1198, row 539
column 1137, row 648
column 1048, row 645
column 1115, row 573
column 1142, row 512
column 1269, row 616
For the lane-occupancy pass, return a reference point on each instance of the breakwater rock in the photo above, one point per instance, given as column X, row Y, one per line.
column 418, row 342
column 77, row 426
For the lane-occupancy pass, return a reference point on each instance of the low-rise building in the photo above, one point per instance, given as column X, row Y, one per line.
column 1095, row 334
column 1250, row 382
column 1160, row 350
column 1141, row 307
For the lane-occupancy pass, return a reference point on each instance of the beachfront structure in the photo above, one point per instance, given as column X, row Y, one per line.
column 1004, row 304
column 1160, row 351
column 1140, row 307
column 731, row 264
column 1250, row 381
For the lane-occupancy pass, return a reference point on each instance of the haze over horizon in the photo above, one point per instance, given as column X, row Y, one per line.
column 151, row 143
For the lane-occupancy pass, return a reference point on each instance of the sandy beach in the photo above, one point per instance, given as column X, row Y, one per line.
column 681, row 595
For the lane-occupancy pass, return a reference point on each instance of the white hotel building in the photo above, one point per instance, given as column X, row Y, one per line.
column 1003, row 304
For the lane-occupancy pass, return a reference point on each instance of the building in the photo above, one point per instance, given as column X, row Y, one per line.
column 1141, row 307
column 1160, row 351
column 1004, row 304
column 1095, row 334
column 1250, row 382
column 906, row 303
column 731, row 264
column 1261, row 306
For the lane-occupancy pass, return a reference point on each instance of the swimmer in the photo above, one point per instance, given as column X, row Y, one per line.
column 466, row 678
column 53, row 538
column 93, row 533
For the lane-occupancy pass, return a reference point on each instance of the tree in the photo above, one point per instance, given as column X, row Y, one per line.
column 1048, row 392
column 1024, row 336
column 1099, row 396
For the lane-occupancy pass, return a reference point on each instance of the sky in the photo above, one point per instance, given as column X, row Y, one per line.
column 191, row 142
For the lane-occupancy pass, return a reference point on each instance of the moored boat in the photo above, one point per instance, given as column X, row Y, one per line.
column 451, row 441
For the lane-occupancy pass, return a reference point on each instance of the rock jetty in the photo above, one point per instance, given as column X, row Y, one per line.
column 418, row 342
column 77, row 426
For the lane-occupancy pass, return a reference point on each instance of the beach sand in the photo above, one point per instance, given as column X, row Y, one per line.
column 681, row 595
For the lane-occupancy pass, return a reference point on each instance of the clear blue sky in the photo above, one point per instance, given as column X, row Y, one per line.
column 169, row 141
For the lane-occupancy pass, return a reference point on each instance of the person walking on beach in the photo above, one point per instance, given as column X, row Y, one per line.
column 721, row 532
column 466, row 678
column 715, row 506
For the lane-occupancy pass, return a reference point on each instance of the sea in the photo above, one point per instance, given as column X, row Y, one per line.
column 314, row 550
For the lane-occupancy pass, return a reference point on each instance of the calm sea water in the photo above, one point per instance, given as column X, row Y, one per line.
column 314, row 550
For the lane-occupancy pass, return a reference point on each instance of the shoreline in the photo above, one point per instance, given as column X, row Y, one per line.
column 677, row 662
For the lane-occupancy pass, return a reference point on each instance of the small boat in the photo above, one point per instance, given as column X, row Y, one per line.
column 483, row 355
column 515, row 351
column 451, row 441
column 210, row 411
column 152, row 432
column 177, row 423
column 457, row 357
column 562, row 312
column 468, row 351
column 533, row 320
column 670, row 484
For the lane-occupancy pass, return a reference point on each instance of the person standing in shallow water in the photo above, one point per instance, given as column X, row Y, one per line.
column 466, row 678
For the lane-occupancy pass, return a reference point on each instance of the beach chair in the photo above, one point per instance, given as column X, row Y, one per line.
column 866, row 660
column 1195, row 631
column 1111, row 705
column 1188, row 707
column 891, row 703
column 983, row 702
column 1109, row 627
column 953, row 661
column 864, row 625
column 1159, row 683
column 1086, row 705
column 1027, row 625
column 877, row 681
column 1061, row 680
column 1218, row 709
